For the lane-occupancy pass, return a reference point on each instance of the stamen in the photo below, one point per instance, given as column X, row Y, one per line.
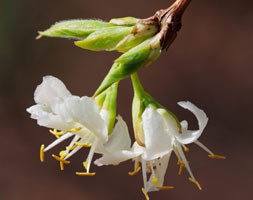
column 42, row 153
column 181, row 167
column 56, row 133
column 91, row 154
column 62, row 154
column 74, row 129
column 165, row 187
column 135, row 171
column 213, row 156
column 186, row 149
column 71, row 147
column 85, row 174
column 195, row 182
column 145, row 193
column 61, row 160
column 83, row 144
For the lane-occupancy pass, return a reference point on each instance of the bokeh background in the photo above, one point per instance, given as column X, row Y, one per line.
column 209, row 64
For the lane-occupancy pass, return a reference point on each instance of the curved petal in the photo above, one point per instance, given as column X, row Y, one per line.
column 49, row 90
column 119, row 139
column 189, row 136
column 47, row 119
column 157, row 141
column 85, row 111
column 116, row 157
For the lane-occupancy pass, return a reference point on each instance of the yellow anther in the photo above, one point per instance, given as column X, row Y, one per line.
column 71, row 148
column 60, row 159
column 145, row 193
column 216, row 156
column 135, row 171
column 83, row 144
column 195, row 182
column 85, row 164
column 56, row 133
column 62, row 154
column 181, row 167
column 61, row 166
column 42, row 153
column 74, row 129
column 155, row 181
column 165, row 187
column 85, row 173
column 186, row 149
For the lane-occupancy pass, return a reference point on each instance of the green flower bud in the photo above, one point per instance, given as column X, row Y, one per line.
column 74, row 29
column 105, row 38
column 125, row 21
column 140, row 56
column 139, row 33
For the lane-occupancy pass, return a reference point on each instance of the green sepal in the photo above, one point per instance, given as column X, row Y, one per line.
column 124, row 21
column 140, row 33
column 105, row 38
column 140, row 102
column 74, row 29
column 107, row 101
column 136, row 58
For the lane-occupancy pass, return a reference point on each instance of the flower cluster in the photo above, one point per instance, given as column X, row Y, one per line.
column 92, row 122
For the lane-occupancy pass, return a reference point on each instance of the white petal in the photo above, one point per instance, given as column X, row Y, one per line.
column 105, row 115
column 157, row 141
column 189, row 136
column 119, row 139
column 160, row 170
column 51, row 88
column 47, row 119
column 85, row 111
column 117, row 157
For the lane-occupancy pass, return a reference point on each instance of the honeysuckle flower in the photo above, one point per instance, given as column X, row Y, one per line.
column 162, row 135
column 70, row 116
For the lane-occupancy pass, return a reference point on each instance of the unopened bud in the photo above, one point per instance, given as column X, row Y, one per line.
column 105, row 38
column 125, row 21
column 134, row 59
column 73, row 29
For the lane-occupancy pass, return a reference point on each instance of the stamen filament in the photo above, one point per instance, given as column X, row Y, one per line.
column 42, row 153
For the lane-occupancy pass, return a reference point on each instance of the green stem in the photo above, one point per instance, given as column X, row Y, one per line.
column 138, row 88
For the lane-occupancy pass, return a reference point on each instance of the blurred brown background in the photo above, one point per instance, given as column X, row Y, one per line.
column 209, row 64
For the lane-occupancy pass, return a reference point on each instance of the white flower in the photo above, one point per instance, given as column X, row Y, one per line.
column 162, row 134
column 70, row 116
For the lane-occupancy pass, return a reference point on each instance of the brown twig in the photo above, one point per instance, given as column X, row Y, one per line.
column 169, row 22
